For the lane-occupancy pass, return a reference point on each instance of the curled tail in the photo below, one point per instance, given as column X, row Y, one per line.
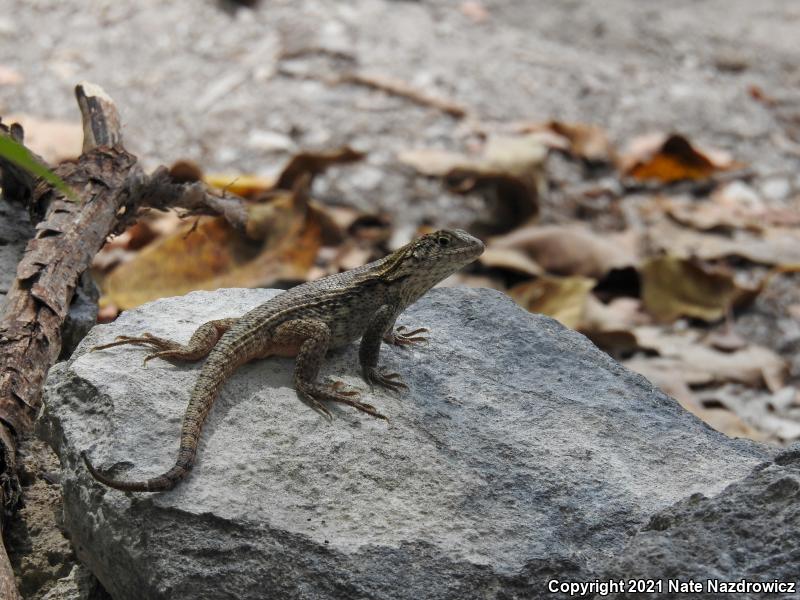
column 218, row 367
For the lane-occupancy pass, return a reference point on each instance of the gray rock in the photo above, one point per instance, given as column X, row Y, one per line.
column 80, row 584
column 748, row 531
column 520, row 453
column 82, row 315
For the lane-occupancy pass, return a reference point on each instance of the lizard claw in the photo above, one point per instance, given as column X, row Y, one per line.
column 320, row 408
column 341, row 389
column 402, row 337
column 390, row 381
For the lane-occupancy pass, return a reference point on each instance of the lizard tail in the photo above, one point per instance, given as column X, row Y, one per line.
column 161, row 483
column 215, row 372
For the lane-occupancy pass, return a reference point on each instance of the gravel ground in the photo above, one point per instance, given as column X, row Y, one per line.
column 194, row 80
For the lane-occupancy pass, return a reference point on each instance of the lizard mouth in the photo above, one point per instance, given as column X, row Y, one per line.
column 472, row 251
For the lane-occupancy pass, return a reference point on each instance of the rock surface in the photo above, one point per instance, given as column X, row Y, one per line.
column 749, row 531
column 520, row 453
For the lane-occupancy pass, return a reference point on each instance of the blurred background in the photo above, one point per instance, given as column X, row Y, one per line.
column 632, row 166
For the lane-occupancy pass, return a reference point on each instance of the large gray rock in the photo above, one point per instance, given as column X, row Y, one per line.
column 749, row 531
column 520, row 453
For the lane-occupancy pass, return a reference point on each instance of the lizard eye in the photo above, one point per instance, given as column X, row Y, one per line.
column 443, row 241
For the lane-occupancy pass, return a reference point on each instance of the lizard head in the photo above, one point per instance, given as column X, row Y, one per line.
column 427, row 260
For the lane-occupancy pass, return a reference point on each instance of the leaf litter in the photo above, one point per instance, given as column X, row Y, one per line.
column 660, row 286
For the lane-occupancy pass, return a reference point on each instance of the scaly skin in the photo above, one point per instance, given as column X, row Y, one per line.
column 305, row 322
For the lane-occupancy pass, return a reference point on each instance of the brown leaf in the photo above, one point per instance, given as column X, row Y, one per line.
column 756, row 407
column 509, row 174
column 675, row 287
column 281, row 215
column 314, row 163
column 246, row 186
column 671, row 158
column 510, row 259
column 565, row 250
column 283, row 242
column 773, row 246
column 563, row 298
column 726, row 340
column 303, row 164
column 610, row 326
column 734, row 206
column 701, row 365
column 581, row 140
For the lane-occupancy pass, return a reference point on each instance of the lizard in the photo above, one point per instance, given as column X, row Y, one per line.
column 305, row 322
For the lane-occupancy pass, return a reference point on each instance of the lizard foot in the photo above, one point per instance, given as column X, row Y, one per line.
column 390, row 381
column 143, row 340
column 402, row 337
column 316, row 394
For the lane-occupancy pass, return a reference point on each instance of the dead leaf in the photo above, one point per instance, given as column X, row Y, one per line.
column 580, row 140
column 726, row 339
column 563, row 298
column 733, row 206
column 246, row 186
column 314, row 163
column 433, row 162
column 53, row 140
column 610, row 326
column 699, row 364
column 510, row 259
column 301, row 164
column 563, row 250
column 509, row 174
column 675, row 287
column 773, row 246
column 281, row 215
column 669, row 158
column 284, row 242
column 755, row 408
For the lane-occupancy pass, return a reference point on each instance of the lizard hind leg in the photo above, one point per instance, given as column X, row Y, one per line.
column 199, row 346
column 312, row 338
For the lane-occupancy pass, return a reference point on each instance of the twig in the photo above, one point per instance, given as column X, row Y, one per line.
column 404, row 90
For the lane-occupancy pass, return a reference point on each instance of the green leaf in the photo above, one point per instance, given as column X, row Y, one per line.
column 18, row 154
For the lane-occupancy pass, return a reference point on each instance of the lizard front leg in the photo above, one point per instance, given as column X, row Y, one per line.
column 370, row 349
column 311, row 338
column 199, row 346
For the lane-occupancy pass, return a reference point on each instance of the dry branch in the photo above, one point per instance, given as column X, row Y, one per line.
column 404, row 90
column 111, row 188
